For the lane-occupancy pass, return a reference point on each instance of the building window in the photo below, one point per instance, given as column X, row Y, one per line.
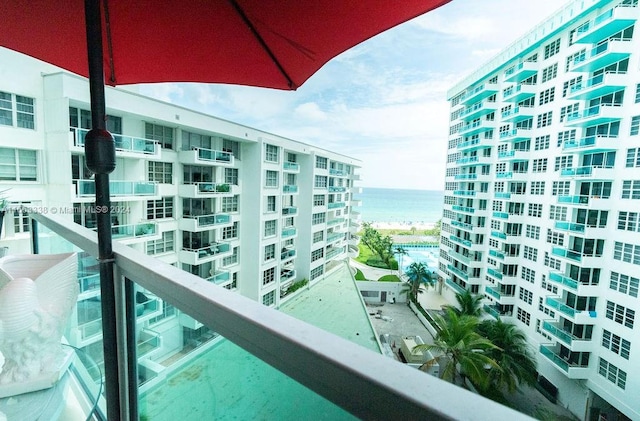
column 629, row 221
column 528, row 275
column 526, row 295
column 535, row 210
column 161, row 134
column 549, row 73
column 319, row 199
column 158, row 209
column 566, row 136
column 271, row 179
column 269, row 298
column 232, row 147
column 620, row 314
column 624, row 284
column 320, row 182
column 568, row 111
column 616, row 344
column 18, row 164
column 612, row 373
column 231, row 176
column 540, row 165
column 560, row 188
column 542, row 142
column 558, row 213
column 271, row 153
column 21, row 217
column 231, row 260
column 524, row 316
column 321, row 162
column 163, row 245
column 269, row 252
column 537, row 187
column 17, row 110
column 317, row 254
column 626, row 252
column 271, row 203
column 318, row 236
column 530, row 253
column 268, row 276
column 631, row 189
column 533, row 232
column 633, row 157
column 544, row 119
column 317, row 272
column 161, row 172
column 231, row 232
column 635, row 126
column 552, row 49
column 318, row 218
column 269, row 228
column 230, row 204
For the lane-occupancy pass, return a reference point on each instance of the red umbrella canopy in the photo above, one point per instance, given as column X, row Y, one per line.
column 267, row 43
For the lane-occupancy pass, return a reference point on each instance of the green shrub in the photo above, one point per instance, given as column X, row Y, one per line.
column 389, row 278
column 359, row 275
column 297, row 285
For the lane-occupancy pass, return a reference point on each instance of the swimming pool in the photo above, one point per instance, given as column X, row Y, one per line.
column 428, row 255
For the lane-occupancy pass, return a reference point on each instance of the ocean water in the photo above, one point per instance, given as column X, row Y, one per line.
column 398, row 205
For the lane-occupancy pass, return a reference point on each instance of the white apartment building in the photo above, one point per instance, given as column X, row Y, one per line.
column 541, row 211
column 245, row 209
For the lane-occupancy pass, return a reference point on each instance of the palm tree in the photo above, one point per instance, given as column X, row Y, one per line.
column 468, row 304
column 418, row 274
column 461, row 351
column 516, row 361
column 401, row 252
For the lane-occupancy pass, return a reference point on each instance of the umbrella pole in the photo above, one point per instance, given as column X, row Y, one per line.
column 118, row 321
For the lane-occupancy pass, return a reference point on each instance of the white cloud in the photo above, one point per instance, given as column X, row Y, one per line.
column 310, row 111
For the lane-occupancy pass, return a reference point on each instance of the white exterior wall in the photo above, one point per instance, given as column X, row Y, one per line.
column 477, row 217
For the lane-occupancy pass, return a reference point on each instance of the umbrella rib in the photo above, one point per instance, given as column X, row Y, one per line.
column 262, row 42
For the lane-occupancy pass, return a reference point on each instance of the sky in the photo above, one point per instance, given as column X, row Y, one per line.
column 383, row 101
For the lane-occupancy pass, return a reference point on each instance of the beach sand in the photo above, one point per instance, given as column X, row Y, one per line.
column 406, row 225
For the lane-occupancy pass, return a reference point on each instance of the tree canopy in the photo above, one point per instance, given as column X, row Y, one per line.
column 381, row 246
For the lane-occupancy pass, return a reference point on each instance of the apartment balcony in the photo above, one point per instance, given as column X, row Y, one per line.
column 599, row 114
column 608, row 23
column 505, row 175
column 197, row 223
column 498, row 234
column 502, row 195
column 135, row 233
column 289, row 232
column 462, row 225
column 202, row 156
column 600, row 143
column 515, row 135
column 572, row 342
column 459, row 240
column 479, row 93
column 458, row 272
column 521, row 72
column 500, row 295
column 333, row 252
column 338, row 173
column 88, row 284
column 337, row 189
column 517, row 114
column 574, row 286
column 567, row 363
column 591, row 172
column 456, row 287
column 500, row 215
column 292, row 167
column 597, row 86
column 289, row 189
column 353, row 240
column 575, row 200
column 466, row 176
column 496, row 311
column 323, row 363
column 474, row 144
column 147, row 307
column 198, row 190
column 147, row 342
column 601, row 56
column 85, row 333
column 289, row 210
column 200, row 255
column 287, row 254
column 581, row 317
column 520, row 93
column 219, row 277
column 336, row 205
column 333, row 237
column 286, row 275
column 122, row 190
column 464, row 193
column 335, row 221
column 459, row 257
column 495, row 273
column 477, row 127
column 514, row 155
column 356, row 177
column 126, row 146
column 464, row 209
column 478, row 109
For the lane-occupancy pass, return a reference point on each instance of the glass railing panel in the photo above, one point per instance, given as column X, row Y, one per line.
column 291, row 166
column 213, row 155
column 289, row 210
column 288, row 232
column 207, row 220
column 287, row 188
column 213, row 187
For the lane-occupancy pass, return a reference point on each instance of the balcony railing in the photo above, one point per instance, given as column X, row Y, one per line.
column 119, row 188
column 336, row 205
column 288, row 232
column 337, row 189
column 599, row 142
column 210, row 220
column 290, row 210
column 289, row 188
column 123, row 232
column 215, row 156
column 122, row 143
column 338, row 173
column 290, row 166
column 329, row 365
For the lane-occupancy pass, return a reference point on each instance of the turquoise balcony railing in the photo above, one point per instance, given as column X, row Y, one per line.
column 458, row 288
column 466, row 176
column 122, row 143
column 213, row 155
column 290, row 166
column 460, row 241
column 494, row 273
column 564, row 336
column 563, row 280
column 277, row 348
column 555, row 303
column 219, row 277
column 336, row 205
column 288, row 232
column 333, row 237
column 334, row 252
column 119, row 188
column 463, row 209
column 589, row 142
column 285, row 255
column 339, row 173
column 210, row 250
column 496, row 253
column 557, row 360
column 290, row 210
column 502, row 195
column 569, row 254
column 574, row 200
column 468, row 143
column 209, row 220
column 337, row 189
column 492, row 291
column 501, row 215
column 462, row 225
column 464, row 192
column 498, row 234
column 335, row 221
column 461, row 274
column 288, row 188
column 122, row 232
column 508, row 174
column 206, row 187
column 570, row 226
column 493, row 310
column 467, row 160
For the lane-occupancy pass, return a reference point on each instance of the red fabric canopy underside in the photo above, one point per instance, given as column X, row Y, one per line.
column 203, row 41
